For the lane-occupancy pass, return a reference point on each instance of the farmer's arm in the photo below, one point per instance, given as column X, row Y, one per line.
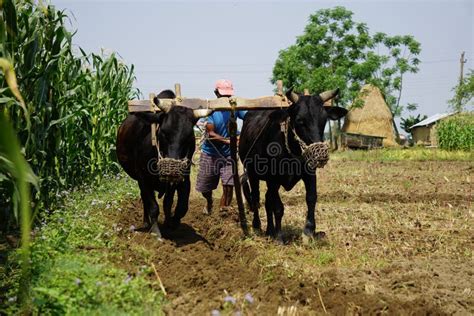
column 214, row 136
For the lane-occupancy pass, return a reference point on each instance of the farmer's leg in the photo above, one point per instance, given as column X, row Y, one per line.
column 226, row 174
column 208, row 197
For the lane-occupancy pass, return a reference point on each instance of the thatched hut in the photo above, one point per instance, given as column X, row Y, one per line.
column 373, row 118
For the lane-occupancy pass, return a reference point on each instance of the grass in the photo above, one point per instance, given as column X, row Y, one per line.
column 408, row 154
column 73, row 266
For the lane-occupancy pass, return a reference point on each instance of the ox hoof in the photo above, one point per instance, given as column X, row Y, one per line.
column 270, row 233
column 319, row 235
column 314, row 236
column 258, row 231
column 207, row 210
column 279, row 239
column 256, row 224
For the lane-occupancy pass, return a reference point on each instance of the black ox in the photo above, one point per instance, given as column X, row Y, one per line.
column 271, row 147
column 141, row 160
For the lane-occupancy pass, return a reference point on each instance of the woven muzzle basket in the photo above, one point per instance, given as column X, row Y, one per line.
column 172, row 170
column 316, row 155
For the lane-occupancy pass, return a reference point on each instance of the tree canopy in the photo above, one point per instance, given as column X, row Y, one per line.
column 337, row 52
column 463, row 93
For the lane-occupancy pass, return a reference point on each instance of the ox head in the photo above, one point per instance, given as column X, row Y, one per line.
column 175, row 137
column 308, row 115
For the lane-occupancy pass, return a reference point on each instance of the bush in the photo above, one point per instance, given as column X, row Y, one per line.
column 457, row 132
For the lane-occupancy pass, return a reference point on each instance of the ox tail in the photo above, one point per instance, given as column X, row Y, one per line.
column 244, row 180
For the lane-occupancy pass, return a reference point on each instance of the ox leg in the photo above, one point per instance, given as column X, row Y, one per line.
column 278, row 210
column 183, row 202
column 270, row 197
column 150, row 206
column 255, row 202
column 311, row 200
column 168, row 204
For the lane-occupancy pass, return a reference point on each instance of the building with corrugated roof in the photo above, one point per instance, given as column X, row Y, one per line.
column 424, row 132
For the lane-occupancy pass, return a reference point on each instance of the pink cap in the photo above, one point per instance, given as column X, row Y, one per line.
column 224, row 87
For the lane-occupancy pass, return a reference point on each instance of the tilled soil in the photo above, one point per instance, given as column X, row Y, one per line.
column 206, row 264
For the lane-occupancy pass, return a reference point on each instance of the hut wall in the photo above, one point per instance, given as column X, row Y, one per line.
column 433, row 135
column 421, row 135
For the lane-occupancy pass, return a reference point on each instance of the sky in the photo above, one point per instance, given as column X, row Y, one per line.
column 194, row 43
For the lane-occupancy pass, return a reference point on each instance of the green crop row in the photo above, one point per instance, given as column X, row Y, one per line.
column 457, row 132
column 74, row 102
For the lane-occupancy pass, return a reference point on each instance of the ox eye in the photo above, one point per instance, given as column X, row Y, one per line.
column 299, row 120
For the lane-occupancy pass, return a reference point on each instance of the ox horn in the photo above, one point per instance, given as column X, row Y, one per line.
column 202, row 113
column 163, row 107
column 292, row 96
column 328, row 95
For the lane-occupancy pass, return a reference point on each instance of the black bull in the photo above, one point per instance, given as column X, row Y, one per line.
column 271, row 150
column 139, row 158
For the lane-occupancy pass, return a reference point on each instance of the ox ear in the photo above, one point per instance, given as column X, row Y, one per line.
column 335, row 112
column 200, row 113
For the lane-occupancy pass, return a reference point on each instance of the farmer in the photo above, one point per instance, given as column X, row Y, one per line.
column 215, row 161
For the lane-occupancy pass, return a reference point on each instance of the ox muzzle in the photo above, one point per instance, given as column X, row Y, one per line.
column 172, row 170
column 316, row 155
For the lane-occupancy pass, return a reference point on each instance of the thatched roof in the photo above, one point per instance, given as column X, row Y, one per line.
column 373, row 118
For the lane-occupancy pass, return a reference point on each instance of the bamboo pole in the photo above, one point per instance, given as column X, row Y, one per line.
column 235, row 170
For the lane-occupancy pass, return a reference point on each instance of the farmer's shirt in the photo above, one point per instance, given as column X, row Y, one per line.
column 220, row 120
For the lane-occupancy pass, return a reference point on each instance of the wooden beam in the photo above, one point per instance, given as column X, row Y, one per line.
column 177, row 90
column 279, row 87
column 220, row 104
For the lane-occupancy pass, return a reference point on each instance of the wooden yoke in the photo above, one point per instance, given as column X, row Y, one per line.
column 277, row 101
column 221, row 104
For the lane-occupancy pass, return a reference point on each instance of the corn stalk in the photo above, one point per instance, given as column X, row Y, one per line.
column 74, row 101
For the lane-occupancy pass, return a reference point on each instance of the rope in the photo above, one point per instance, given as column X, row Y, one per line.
column 316, row 155
column 172, row 170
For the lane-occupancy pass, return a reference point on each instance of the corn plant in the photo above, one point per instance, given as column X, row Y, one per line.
column 74, row 101
column 15, row 169
column 457, row 132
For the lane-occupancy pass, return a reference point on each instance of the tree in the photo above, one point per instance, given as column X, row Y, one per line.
column 335, row 51
column 407, row 123
column 463, row 93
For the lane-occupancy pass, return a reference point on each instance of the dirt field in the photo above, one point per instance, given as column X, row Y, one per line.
column 400, row 241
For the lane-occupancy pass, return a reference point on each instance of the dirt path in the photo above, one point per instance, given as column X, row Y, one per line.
column 207, row 260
